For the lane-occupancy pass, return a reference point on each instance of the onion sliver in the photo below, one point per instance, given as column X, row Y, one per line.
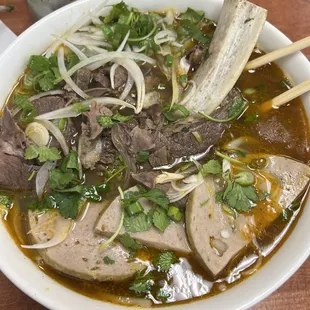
column 72, row 111
column 122, row 45
column 165, row 36
column 189, row 95
column 85, row 39
column 72, row 47
column 64, row 74
column 97, row 49
column 175, row 86
column 129, row 84
column 138, row 77
column 42, row 177
column 57, row 134
column 101, row 59
column 61, row 232
column 112, row 74
column 45, row 94
column 83, row 20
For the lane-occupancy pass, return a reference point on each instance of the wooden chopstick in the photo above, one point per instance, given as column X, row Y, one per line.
column 279, row 53
column 286, row 97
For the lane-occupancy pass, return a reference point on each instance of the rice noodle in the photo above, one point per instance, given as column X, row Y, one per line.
column 45, row 94
column 42, row 177
column 61, row 232
column 189, row 95
column 64, row 74
column 72, row 47
column 57, row 134
column 165, row 36
column 72, row 111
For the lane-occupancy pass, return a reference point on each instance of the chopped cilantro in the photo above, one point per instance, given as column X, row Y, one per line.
column 141, row 284
column 162, row 295
column 43, row 153
column 28, row 110
column 237, row 108
column 59, row 179
column 108, row 261
column 105, row 121
column 143, row 156
column 183, row 79
column 161, row 219
column 251, row 118
column 155, row 195
column 39, row 63
column 137, row 223
column 192, row 15
column 129, row 243
column 71, row 161
column 164, row 261
column 6, row 201
column 169, row 61
column 211, row 167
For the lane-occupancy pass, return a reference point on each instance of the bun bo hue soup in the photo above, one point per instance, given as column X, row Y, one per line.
column 139, row 163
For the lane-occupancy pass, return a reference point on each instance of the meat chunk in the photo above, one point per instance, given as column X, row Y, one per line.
column 83, row 78
column 79, row 255
column 48, row 104
column 173, row 238
column 221, row 243
column 14, row 169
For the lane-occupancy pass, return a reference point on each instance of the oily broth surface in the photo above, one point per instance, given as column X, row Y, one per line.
column 268, row 82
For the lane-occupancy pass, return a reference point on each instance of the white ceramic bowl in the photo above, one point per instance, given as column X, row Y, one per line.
column 24, row 274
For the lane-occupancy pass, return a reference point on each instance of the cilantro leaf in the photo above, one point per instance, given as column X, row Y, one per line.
column 118, row 9
column 192, row 15
column 28, row 110
column 175, row 112
column 47, row 81
column 69, row 204
column 137, row 223
column 237, row 108
column 108, row 261
column 71, row 161
column 121, row 118
column 155, row 195
column 162, row 295
column 164, row 261
column 59, row 180
column 6, row 200
column 39, row 63
column 43, row 153
column 141, row 284
column 211, row 167
column 105, row 121
column 143, row 156
column 161, row 219
column 129, row 243
column 191, row 30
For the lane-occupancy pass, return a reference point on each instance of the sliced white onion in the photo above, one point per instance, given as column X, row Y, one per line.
column 97, row 49
column 97, row 61
column 42, row 177
column 72, row 47
column 83, row 20
column 37, row 133
column 127, row 48
column 64, row 74
column 71, row 111
column 167, row 177
column 86, row 39
column 96, row 20
column 61, row 232
column 89, row 29
column 129, row 84
column 79, row 159
column 165, row 36
column 169, row 19
column 124, row 42
column 45, row 94
column 178, row 192
column 177, row 44
column 185, row 65
column 57, row 134
column 189, row 94
column 137, row 49
column 175, row 86
column 135, row 71
column 112, row 74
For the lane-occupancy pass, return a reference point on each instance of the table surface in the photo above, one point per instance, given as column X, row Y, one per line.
column 292, row 18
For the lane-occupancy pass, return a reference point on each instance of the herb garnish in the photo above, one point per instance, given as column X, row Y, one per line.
column 108, row 261
column 164, row 261
column 43, row 153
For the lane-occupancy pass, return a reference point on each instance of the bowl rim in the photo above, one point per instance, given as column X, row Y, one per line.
column 247, row 301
